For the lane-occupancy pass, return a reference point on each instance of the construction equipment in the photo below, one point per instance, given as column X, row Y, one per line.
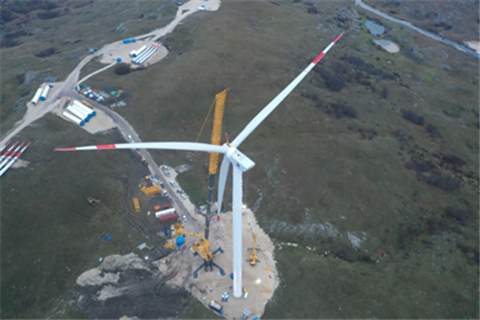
column 201, row 247
column 144, row 161
column 93, row 202
column 151, row 190
column 267, row 290
column 87, row 104
column 246, row 313
column 253, row 256
column 137, row 205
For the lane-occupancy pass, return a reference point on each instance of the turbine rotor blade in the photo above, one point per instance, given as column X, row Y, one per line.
column 187, row 146
column 252, row 125
column 222, row 180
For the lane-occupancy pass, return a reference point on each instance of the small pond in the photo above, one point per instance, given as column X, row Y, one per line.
column 374, row 28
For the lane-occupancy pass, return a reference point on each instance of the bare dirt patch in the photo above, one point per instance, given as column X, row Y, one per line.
column 20, row 164
column 122, row 50
column 475, row 45
column 210, row 285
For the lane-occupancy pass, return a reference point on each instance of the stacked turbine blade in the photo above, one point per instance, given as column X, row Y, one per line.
column 4, row 146
column 9, row 156
column 8, row 151
column 12, row 160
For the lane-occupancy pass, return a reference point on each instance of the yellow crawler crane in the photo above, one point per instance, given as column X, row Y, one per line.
column 253, row 256
column 202, row 247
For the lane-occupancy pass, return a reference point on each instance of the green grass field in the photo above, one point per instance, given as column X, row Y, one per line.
column 323, row 176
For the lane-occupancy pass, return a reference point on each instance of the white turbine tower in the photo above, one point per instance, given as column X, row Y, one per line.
column 240, row 162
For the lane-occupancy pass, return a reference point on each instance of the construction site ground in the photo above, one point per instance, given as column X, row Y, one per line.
column 121, row 50
column 210, row 285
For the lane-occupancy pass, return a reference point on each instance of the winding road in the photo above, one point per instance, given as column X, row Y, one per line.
column 424, row 32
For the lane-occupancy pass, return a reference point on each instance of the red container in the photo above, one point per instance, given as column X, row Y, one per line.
column 170, row 217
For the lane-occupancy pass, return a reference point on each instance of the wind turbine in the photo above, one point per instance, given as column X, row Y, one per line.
column 240, row 162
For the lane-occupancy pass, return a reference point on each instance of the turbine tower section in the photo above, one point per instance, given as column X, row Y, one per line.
column 237, row 204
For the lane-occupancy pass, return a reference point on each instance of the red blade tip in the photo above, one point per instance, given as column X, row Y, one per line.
column 338, row 37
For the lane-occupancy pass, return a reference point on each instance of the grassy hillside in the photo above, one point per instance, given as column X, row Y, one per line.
column 373, row 148
column 372, row 159
column 49, row 38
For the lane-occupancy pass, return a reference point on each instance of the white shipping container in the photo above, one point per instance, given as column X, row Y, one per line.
column 77, row 113
column 73, row 118
column 83, row 113
column 165, row 212
column 45, row 93
column 37, row 96
column 83, row 107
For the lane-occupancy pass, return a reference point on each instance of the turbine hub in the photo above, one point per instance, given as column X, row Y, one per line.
column 239, row 160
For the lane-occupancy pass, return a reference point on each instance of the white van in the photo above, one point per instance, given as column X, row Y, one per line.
column 172, row 183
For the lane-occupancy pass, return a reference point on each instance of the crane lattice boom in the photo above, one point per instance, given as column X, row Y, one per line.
column 217, row 128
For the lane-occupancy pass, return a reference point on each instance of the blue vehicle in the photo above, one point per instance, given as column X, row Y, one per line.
column 165, row 229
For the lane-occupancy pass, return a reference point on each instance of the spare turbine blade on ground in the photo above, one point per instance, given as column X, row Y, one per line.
column 13, row 160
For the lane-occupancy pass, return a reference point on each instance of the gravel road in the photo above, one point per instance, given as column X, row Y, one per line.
column 424, row 32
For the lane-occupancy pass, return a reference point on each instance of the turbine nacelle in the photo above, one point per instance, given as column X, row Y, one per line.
column 239, row 160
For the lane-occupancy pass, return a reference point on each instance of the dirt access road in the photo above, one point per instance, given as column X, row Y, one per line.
column 424, row 32
column 42, row 108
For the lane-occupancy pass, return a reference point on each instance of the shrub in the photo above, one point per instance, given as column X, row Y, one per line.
column 460, row 215
column 48, row 15
column 21, row 78
column 457, row 162
column 335, row 84
column 413, row 117
column 384, row 93
column 433, row 131
column 341, row 110
column 355, row 61
column 332, row 81
column 447, row 184
column 8, row 43
column 344, row 255
column 434, row 226
column 122, row 69
column 46, row 53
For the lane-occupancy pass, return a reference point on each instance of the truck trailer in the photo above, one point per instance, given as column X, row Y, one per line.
column 165, row 212
column 169, row 217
